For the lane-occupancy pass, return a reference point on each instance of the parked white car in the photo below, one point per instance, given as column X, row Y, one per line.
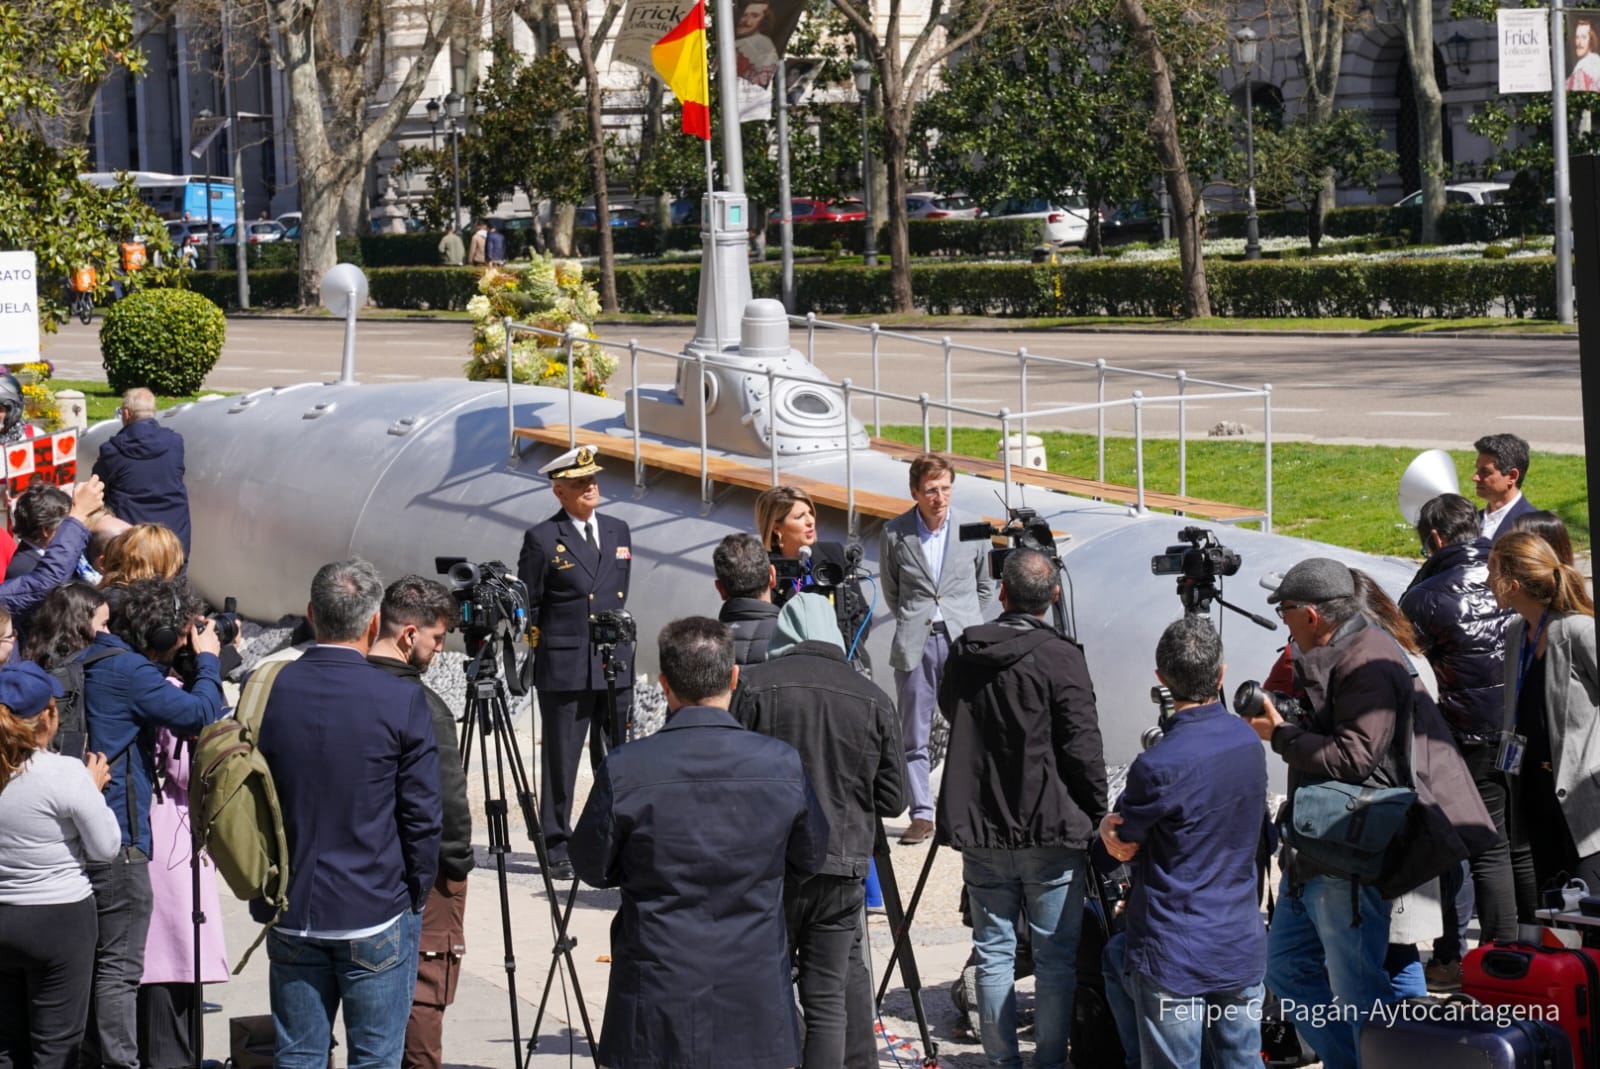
column 1066, row 221
column 940, row 206
column 1462, row 193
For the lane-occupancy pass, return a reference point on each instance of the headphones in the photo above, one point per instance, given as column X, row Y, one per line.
column 165, row 635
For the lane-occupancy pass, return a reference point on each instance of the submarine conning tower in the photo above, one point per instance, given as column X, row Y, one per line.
column 741, row 339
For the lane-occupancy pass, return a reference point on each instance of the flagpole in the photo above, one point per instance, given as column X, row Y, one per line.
column 707, row 224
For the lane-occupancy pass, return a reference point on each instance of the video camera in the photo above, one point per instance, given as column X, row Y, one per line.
column 1198, row 565
column 1024, row 529
column 830, row 565
column 492, row 599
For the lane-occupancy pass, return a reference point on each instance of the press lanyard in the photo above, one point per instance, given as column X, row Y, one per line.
column 1530, row 650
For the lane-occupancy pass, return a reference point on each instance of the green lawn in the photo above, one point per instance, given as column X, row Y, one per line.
column 1341, row 494
column 102, row 402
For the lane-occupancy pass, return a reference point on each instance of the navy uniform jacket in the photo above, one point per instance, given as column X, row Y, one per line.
column 356, row 767
column 698, row 825
column 567, row 580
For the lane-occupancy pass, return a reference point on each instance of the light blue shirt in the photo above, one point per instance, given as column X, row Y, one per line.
column 934, row 544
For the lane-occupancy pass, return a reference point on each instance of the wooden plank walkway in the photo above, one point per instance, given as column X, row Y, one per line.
column 1071, row 484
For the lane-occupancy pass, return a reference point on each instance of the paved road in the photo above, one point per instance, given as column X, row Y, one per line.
column 1408, row 391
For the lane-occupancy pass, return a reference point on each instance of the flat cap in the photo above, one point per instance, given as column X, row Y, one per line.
column 1313, row 580
column 573, row 464
column 26, row 689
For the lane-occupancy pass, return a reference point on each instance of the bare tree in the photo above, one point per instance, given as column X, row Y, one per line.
column 1169, row 150
column 1417, row 21
column 337, row 56
column 902, row 75
column 1322, row 26
column 579, row 10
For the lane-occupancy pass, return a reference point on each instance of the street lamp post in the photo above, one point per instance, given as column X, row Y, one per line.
column 433, row 110
column 456, row 105
column 862, row 70
column 1245, row 45
column 211, row 244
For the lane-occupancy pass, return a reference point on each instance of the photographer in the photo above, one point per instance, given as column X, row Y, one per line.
column 127, row 697
column 574, row 564
column 1191, row 819
column 412, row 624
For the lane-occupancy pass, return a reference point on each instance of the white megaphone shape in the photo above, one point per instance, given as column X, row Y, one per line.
column 1431, row 474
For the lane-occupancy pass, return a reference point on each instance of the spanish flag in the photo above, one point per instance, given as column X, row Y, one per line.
column 680, row 60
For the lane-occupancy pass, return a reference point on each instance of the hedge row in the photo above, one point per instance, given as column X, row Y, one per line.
column 1442, row 288
column 1459, row 224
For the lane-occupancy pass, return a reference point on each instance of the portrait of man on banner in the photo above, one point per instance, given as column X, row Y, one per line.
column 1583, row 51
column 761, row 30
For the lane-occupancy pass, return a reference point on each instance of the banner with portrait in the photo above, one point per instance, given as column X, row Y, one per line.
column 761, row 28
column 1583, row 50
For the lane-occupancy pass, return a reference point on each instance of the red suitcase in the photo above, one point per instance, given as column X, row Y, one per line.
column 1559, row 986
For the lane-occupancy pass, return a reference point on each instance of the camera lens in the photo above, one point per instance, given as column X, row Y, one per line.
column 1248, row 699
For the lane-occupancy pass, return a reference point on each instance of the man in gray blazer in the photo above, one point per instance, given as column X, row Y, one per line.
column 936, row 586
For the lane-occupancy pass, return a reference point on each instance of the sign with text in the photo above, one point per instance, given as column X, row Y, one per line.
column 19, row 308
column 644, row 22
column 51, row 458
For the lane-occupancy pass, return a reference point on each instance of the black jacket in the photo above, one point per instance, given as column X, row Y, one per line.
column 848, row 736
column 142, row 467
column 1025, row 765
column 1463, row 634
column 752, row 622
column 455, row 847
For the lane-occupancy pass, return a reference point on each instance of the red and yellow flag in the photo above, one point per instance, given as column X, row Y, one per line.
column 680, row 60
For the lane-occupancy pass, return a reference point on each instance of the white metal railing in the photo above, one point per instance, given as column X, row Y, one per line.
column 848, row 391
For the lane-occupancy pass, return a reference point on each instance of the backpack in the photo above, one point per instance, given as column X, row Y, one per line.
column 235, row 805
column 70, row 707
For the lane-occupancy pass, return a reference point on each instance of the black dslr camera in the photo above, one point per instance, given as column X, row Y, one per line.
column 1024, row 529
column 491, row 598
column 1198, row 566
column 1248, row 698
column 612, row 628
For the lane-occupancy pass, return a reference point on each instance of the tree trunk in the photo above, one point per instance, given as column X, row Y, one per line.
column 895, row 129
column 1418, row 24
column 597, row 155
column 1169, row 150
column 354, row 217
column 563, row 219
column 1322, row 25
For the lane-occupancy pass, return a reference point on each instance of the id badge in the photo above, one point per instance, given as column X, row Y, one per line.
column 1512, row 749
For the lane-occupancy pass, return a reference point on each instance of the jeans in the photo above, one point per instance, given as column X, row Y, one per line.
column 1048, row 882
column 1120, row 996
column 917, row 695
column 1404, row 966
column 1175, row 1030
column 1328, row 974
column 824, row 914
column 372, row 978
column 122, row 902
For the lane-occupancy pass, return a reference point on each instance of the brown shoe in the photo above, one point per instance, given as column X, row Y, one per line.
column 920, row 831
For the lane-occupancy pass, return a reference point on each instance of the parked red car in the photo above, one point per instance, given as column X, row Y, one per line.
column 806, row 210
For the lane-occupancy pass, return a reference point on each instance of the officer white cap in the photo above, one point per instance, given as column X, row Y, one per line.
column 573, row 464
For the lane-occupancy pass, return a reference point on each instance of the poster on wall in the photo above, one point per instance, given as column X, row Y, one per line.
column 1583, row 50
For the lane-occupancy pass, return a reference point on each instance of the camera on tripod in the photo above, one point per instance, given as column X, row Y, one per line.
column 491, row 597
column 1202, row 560
column 612, row 628
column 1024, row 529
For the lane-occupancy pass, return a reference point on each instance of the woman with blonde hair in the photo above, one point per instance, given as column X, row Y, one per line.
column 786, row 523
column 1552, row 692
column 52, row 819
column 143, row 551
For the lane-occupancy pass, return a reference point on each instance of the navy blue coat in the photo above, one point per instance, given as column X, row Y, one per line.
column 567, row 580
column 1520, row 507
column 356, row 768
column 142, row 467
column 698, row 825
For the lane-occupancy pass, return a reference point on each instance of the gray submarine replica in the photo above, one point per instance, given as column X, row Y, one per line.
column 282, row 480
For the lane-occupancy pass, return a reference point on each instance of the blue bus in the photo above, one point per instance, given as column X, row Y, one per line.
column 177, row 196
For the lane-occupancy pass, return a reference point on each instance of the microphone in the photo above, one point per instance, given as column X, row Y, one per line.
column 804, row 553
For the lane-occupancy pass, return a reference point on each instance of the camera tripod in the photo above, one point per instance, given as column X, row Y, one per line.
column 489, row 712
column 900, row 924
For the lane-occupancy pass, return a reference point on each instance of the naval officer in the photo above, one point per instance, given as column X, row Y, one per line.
column 575, row 563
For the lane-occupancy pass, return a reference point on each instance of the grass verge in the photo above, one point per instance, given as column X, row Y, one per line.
column 102, row 402
column 1341, row 494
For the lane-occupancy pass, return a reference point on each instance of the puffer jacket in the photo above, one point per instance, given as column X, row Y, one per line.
column 1463, row 635
column 752, row 622
column 1025, row 765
